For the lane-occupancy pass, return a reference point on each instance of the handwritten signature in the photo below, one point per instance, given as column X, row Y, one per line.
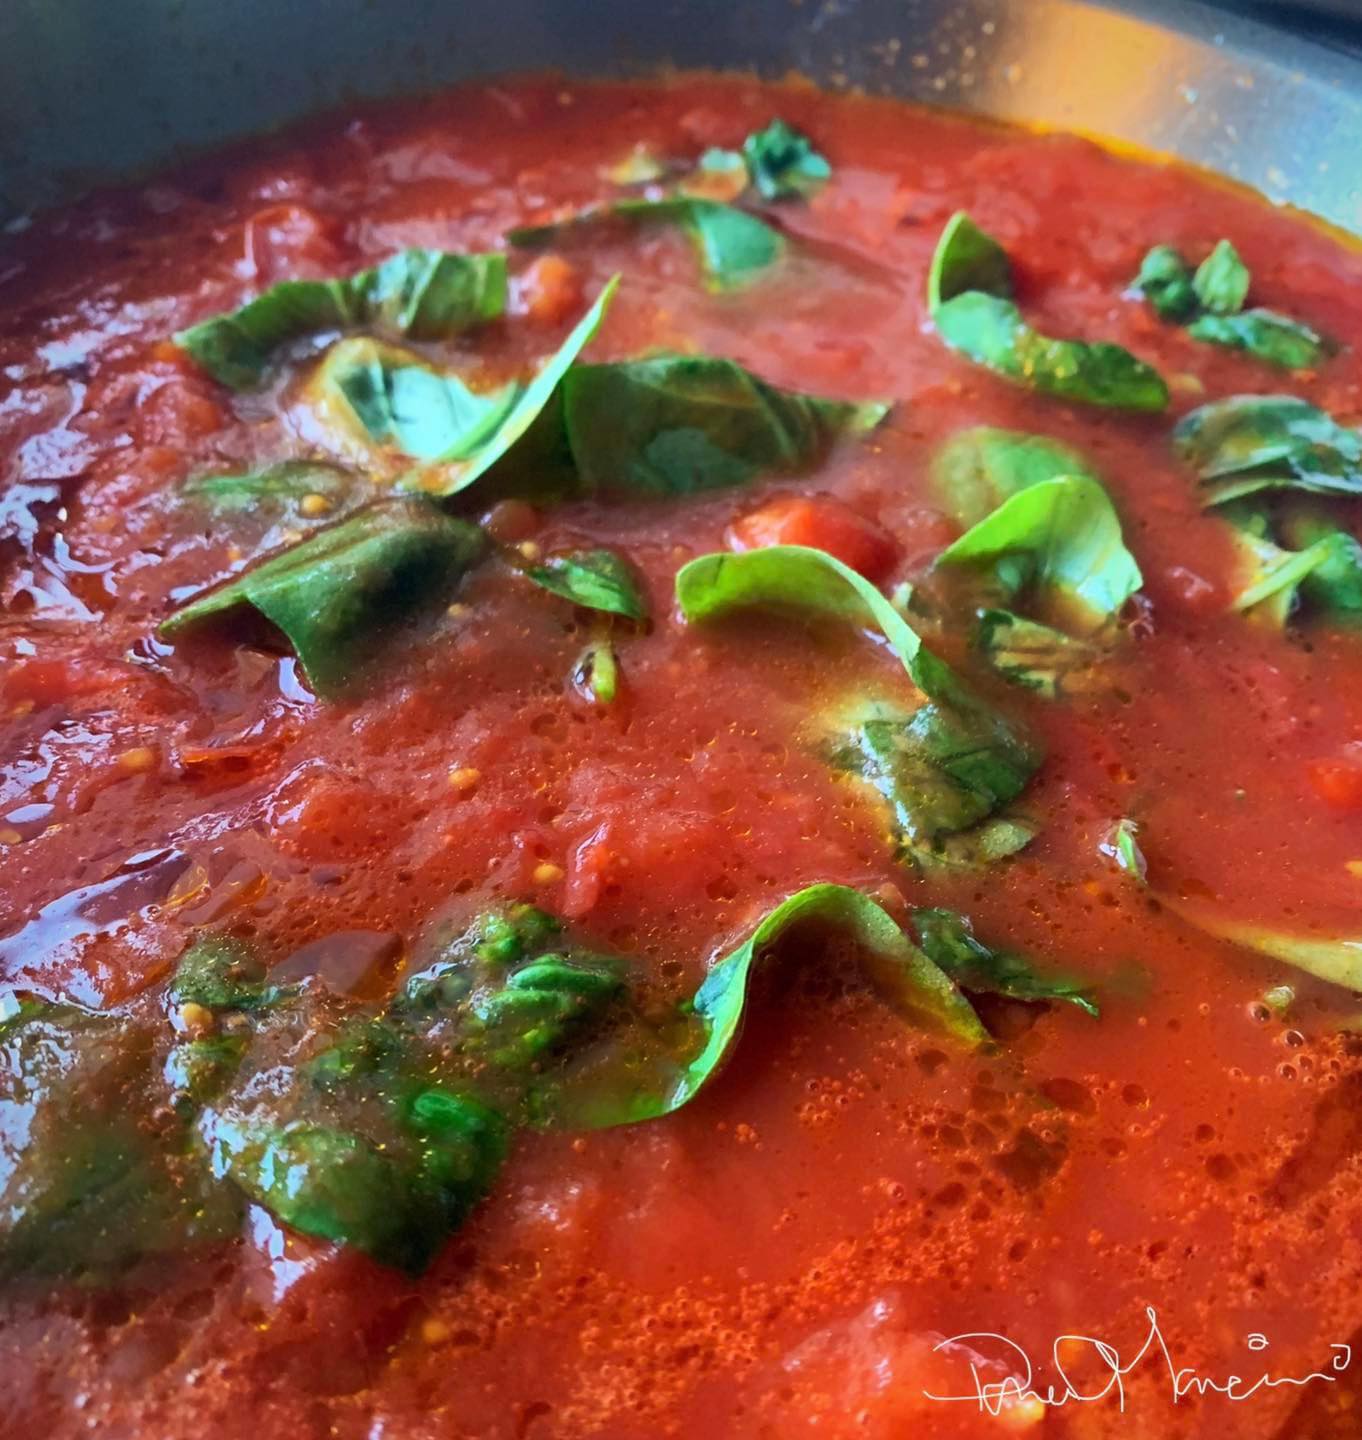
column 995, row 1396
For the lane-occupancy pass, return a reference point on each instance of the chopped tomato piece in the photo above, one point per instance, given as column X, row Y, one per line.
column 1338, row 782
column 551, row 290
column 823, row 523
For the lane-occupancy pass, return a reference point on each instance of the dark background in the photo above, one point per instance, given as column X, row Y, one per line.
column 1333, row 22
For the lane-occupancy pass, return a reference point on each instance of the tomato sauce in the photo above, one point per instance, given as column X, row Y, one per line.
column 785, row 1256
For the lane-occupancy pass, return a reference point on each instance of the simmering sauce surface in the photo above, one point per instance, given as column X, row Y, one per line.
column 784, row 1256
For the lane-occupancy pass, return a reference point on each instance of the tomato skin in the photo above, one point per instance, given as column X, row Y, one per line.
column 1338, row 782
column 823, row 523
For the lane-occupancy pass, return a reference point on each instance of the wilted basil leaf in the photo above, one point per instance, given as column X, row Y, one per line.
column 595, row 579
column 676, row 424
column 783, row 163
column 422, row 293
column 731, row 245
column 337, row 594
column 977, row 469
column 1248, row 443
column 966, row 259
column 1165, row 280
column 990, row 331
column 403, row 401
column 288, row 481
column 1039, row 657
column 1221, row 281
column 969, row 290
column 944, row 767
column 1122, row 847
column 1057, row 543
column 1272, row 337
column 529, row 436
column 948, row 941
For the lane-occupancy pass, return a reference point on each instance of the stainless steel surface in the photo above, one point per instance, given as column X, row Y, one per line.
column 94, row 89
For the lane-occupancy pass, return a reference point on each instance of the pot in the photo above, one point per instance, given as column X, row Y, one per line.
column 92, row 91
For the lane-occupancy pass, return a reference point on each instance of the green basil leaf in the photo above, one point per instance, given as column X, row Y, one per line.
column 1121, row 846
column 340, row 1185
column 1165, row 280
column 990, row 331
column 594, row 579
column 87, row 1190
column 977, row 469
column 532, row 427
column 966, row 259
column 969, row 294
column 943, row 770
column 1057, row 543
column 221, row 973
column 1265, row 334
column 336, row 594
column 1247, row 443
column 945, row 767
column 596, row 673
column 402, row 401
column 678, row 424
column 731, row 245
column 1335, row 959
column 1221, row 281
column 288, row 481
column 422, row 293
column 1038, row 657
column 1333, row 585
column 948, row 941
column 783, row 163
column 897, row 969
column 539, row 1006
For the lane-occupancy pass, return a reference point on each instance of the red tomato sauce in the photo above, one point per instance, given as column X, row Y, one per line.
column 785, row 1256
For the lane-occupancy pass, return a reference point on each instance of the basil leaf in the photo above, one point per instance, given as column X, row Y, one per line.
column 340, row 1185
column 85, row 1190
column 1335, row 959
column 966, row 259
column 596, row 673
column 1271, row 583
column 783, row 163
column 969, row 295
column 1265, row 334
column 1058, row 543
column 1221, row 281
column 336, row 594
column 1247, row 443
column 289, row 481
column 945, row 767
column 731, row 245
column 532, row 427
column 422, row 293
column 678, row 424
column 1122, row 847
column 1165, row 280
column 1038, row 657
column 948, row 941
column 221, row 973
column 1333, row 585
column 595, row 579
column 1211, row 303
column 537, row 1007
column 979, row 468
column 943, row 770
column 401, row 400
column 897, row 969
column 990, row 331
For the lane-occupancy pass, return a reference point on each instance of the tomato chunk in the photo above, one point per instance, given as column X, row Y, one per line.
column 1338, row 782
column 823, row 523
